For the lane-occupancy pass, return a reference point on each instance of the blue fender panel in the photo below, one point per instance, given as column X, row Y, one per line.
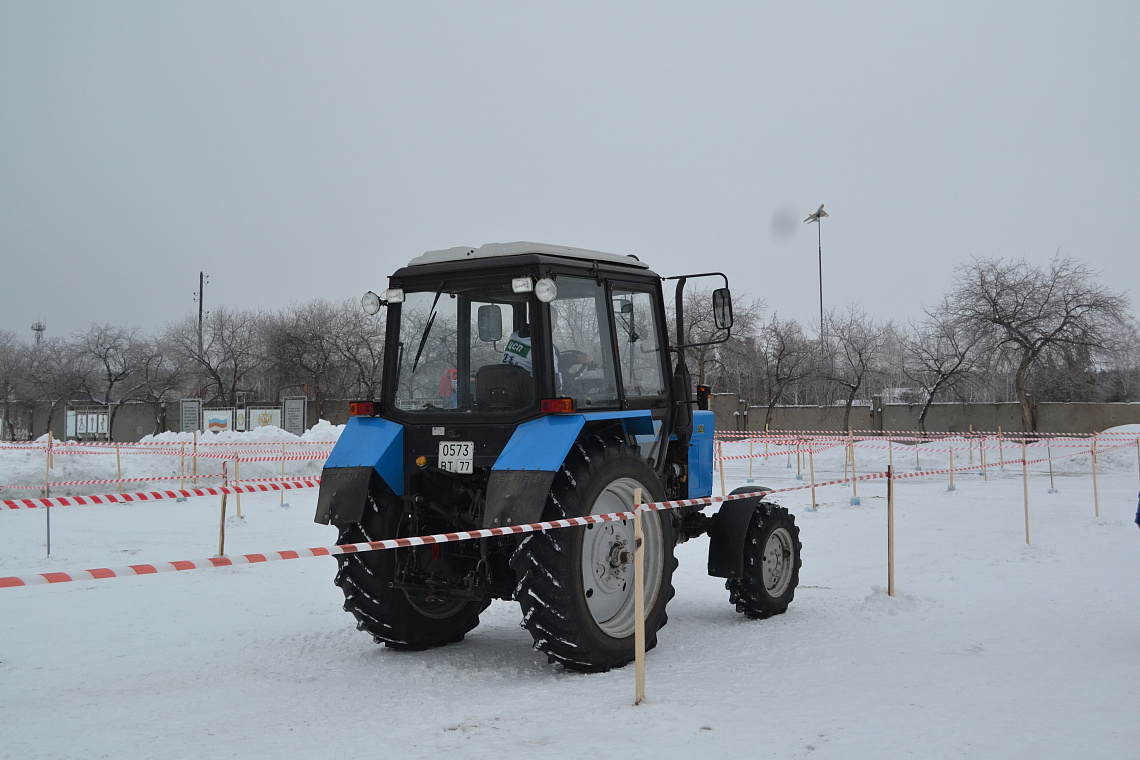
column 701, row 455
column 543, row 444
column 372, row 442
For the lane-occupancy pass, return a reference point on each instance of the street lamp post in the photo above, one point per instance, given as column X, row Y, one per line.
column 814, row 218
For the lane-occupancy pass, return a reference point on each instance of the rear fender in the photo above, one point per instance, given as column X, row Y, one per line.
column 521, row 477
column 367, row 445
column 726, row 537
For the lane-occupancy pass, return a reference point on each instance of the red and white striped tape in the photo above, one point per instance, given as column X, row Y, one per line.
column 113, row 481
column 439, row 538
column 147, row 496
column 392, row 543
column 309, row 456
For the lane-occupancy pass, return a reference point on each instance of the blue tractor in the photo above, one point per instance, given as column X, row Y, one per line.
column 527, row 382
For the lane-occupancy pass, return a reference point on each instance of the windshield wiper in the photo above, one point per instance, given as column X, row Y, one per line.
column 427, row 327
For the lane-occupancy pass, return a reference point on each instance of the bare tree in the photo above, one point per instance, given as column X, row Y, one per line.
column 860, row 343
column 714, row 360
column 231, row 350
column 785, row 356
column 1030, row 310
column 301, row 342
column 1123, row 376
column 941, row 353
column 359, row 338
column 51, row 374
column 161, row 374
column 10, row 373
column 110, row 357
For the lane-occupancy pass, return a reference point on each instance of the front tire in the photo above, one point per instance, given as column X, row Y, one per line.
column 394, row 617
column 771, row 564
column 576, row 585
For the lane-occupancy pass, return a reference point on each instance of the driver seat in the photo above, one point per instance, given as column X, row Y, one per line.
column 503, row 387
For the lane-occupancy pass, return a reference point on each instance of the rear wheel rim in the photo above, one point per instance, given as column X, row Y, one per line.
column 776, row 567
column 607, row 566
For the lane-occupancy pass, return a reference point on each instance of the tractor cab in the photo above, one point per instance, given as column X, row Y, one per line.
column 481, row 340
column 483, row 334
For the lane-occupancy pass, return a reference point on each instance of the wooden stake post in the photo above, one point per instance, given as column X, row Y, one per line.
column 119, row 467
column 1001, row 448
column 854, row 482
column 890, row 531
column 982, row 454
column 846, row 455
column 811, row 462
column 237, row 482
column 283, row 453
column 222, row 523
column 195, row 458
column 1025, row 482
column 47, row 493
column 951, row 488
column 1096, row 498
column 971, row 445
column 1052, row 485
column 638, row 599
column 720, row 450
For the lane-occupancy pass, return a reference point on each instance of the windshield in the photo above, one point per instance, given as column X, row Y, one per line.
column 465, row 348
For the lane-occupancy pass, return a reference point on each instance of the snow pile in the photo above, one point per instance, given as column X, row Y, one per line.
column 157, row 470
column 990, row 648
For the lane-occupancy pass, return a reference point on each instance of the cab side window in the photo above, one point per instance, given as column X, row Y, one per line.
column 583, row 359
column 639, row 351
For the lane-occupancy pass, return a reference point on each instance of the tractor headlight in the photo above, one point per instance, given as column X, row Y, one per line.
column 370, row 302
column 546, row 290
column 522, row 285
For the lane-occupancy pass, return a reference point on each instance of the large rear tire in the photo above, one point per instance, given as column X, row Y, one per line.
column 771, row 564
column 576, row 585
column 397, row 618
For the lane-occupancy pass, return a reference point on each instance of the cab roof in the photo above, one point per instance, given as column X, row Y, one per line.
column 496, row 250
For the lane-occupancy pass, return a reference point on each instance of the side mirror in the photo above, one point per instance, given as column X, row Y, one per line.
column 722, row 308
column 490, row 323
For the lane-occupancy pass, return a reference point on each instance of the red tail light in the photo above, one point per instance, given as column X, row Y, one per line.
column 557, row 405
column 361, row 409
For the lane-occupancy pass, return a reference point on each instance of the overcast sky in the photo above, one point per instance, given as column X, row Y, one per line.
column 294, row 151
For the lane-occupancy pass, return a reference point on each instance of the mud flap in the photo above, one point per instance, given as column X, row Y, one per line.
column 726, row 537
column 341, row 498
column 516, row 498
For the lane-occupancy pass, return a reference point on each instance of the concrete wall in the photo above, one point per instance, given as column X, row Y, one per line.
column 132, row 421
column 1051, row 417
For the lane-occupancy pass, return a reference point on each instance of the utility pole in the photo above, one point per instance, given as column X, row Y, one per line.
column 814, row 218
column 202, row 280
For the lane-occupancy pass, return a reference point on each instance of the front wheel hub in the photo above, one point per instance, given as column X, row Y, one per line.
column 777, row 562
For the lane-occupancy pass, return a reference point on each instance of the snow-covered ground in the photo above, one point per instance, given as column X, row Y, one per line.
column 991, row 648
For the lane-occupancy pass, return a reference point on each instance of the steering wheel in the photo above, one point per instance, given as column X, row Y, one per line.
column 573, row 363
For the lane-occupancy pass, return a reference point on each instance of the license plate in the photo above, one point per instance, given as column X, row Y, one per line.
column 456, row 456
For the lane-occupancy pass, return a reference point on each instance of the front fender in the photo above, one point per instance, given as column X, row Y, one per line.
column 726, row 537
